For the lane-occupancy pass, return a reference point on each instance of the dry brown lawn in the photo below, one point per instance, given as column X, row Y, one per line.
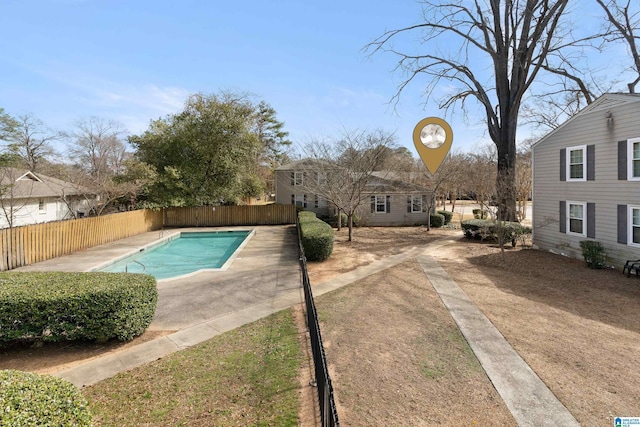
column 579, row 329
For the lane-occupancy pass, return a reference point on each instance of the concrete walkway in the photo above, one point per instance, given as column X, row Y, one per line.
column 526, row 396
column 530, row 401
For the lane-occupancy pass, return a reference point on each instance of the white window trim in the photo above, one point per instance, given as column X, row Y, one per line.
column 419, row 198
column 298, row 176
column 584, row 218
column 630, row 143
column 384, row 204
column 584, row 162
column 300, row 198
column 630, row 242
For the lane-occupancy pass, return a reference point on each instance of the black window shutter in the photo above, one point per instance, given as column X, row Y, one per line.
column 622, row 162
column 563, row 216
column 622, row 224
column 591, row 220
column 591, row 162
column 409, row 204
column 293, row 178
column 563, row 164
column 388, row 204
column 293, row 199
column 373, row 204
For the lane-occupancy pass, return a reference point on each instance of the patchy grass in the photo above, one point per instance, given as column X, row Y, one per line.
column 247, row 376
column 397, row 357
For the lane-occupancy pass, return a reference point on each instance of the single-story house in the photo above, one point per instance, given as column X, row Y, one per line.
column 386, row 200
column 31, row 198
column 586, row 181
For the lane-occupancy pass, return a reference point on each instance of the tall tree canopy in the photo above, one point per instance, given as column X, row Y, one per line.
column 204, row 155
column 462, row 40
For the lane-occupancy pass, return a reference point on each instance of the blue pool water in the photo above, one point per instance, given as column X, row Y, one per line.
column 188, row 253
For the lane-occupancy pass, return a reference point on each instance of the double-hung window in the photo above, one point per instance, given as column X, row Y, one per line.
column 576, row 220
column 633, row 159
column 414, row 203
column 298, row 178
column 634, row 226
column 380, row 204
column 577, row 163
column 299, row 200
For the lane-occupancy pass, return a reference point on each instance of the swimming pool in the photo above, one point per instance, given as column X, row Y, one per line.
column 183, row 254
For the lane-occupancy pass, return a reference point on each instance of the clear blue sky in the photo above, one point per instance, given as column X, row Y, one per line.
column 138, row 60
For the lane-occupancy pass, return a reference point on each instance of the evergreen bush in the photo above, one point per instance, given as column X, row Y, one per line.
column 594, row 253
column 448, row 216
column 436, row 220
column 317, row 237
column 57, row 306
column 28, row 399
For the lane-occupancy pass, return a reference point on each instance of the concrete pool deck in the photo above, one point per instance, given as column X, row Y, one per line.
column 263, row 279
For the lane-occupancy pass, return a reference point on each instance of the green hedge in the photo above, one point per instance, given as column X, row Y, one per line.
column 448, row 216
column 479, row 213
column 436, row 220
column 317, row 237
column 28, row 399
column 57, row 306
column 489, row 229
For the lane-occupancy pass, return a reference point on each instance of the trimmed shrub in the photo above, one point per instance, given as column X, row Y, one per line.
column 448, row 216
column 494, row 230
column 479, row 214
column 28, row 399
column 317, row 237
column 436, row 220
column 594, row 253
column 56, row 306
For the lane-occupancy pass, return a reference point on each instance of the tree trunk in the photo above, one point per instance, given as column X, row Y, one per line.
column 350, row 223
column 339, row 220
column 506, row 176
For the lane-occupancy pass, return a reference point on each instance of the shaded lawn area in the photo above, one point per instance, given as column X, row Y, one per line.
column 397, row 358
column 578, row 328
column 245, row 377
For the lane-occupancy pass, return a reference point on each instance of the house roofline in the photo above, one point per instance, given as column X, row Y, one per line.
column 594, row 106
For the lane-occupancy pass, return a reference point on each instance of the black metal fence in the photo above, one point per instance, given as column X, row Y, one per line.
column 328, row 411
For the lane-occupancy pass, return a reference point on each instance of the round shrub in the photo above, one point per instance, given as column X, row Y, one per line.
column 57, row 306
column 317, row 237
column 479, row 213
column 436, row 220
column 28, row 399
column 448, row 216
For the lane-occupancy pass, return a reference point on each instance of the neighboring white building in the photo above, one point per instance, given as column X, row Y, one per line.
column 31, row 198
column 586, row 180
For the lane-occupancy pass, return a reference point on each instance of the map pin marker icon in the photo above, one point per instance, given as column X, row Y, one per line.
column 432, row 138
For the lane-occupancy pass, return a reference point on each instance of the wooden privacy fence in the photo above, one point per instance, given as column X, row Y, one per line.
column 33, row 243
column 216, row 216
column 39, row 242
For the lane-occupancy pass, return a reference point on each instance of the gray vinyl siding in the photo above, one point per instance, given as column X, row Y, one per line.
column 284, row 190
column 397, row 217
column 606, row 191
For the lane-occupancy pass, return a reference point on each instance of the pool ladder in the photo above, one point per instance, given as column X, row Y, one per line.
column 126, row 267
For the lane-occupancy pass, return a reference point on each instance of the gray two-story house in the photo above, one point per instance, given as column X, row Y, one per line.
column 386, row 200
column 586, row 180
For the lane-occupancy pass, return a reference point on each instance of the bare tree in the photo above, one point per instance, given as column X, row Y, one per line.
column 624, row 26
column 340, row 172
column 512, row 38
column 98, row 147
column 32, row 142
column 99, row 154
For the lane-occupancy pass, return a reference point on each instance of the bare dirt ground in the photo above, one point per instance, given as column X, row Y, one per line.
column 579, row 329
